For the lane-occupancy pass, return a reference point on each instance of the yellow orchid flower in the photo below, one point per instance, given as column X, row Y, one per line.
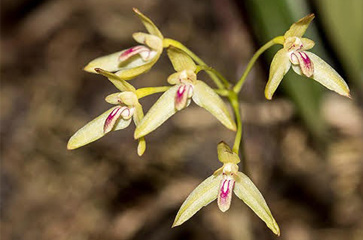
column 116, row 118
column 305, row 63
column 134, row 61
column 220, row 186
column 178, row 97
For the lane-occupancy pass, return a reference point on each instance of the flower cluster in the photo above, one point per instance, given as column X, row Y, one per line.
column 122, row 66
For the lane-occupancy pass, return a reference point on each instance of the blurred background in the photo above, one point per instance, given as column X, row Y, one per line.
column 304, row 149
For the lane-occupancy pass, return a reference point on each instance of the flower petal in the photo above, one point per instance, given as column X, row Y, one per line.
column 94, row 130
column 141, row 147
column 326, row 75
column 163, row 109
column 183, row 95
column 149, row 40
column 249, row 194
column 305, row 63
column 299, row 28
column 180, row 60
column 120, row 84
column 201, row 196
column 279, row 66
column 109, row 63
column 205, row 97
column 307, row 43
column 225, row 154
column 225, row 192
column 112, row 118
column 149, row 25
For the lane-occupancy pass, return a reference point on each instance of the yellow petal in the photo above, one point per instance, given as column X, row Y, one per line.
column 249, row 194
column 141, row 147
column 205, row 97
column 225, row 154
column 109, row 63
column 149, row 25
column 94, row 130
column 149, row 40
column 162, row 110
column 326, row 75
column 118, row 82
column 180, row 60
column 307, row 43
column 202, row 195
column 299, row 28
column 279, row 66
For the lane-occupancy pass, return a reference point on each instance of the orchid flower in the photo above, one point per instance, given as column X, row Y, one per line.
column 178, row 97
column 116, row 118
column 134, row 61
column 304, row 63
column 220, row 186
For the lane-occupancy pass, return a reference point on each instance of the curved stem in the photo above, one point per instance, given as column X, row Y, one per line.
column 143, row 92
column 218, row 74
column 277, row 40
column 170, row 42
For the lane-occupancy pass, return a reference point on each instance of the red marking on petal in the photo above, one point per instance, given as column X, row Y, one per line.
column 134, row 51
column 306, row 65
column 111, row 119
column 225, row 193
column 181, row 97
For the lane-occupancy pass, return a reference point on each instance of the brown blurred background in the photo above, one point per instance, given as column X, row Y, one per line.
column 303, row 149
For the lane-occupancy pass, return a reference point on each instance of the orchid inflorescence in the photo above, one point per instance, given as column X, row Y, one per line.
column 127, row 64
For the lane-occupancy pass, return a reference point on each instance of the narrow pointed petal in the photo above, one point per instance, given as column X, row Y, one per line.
column 298, row 29
column 112, row 118
column 180, row 60
column 141, row 147
column 139, row 114
column 94, row 130
column 149, row 40
column 305, row 63
column 109, row 63
column 113, row 98
column 307, row 43
column 225, row 193
column 205, row 97
column 249, row 194
column 225, row 154
column 149, row 25
column 202, row 195
column 279, row 66
column 163, row 109
column 118, row 82
column 326, row 75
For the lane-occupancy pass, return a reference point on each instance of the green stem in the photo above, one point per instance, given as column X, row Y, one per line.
column 277, row 40
column 170, row 42
column 218, row 74
column 233, row 98
column 143, row 92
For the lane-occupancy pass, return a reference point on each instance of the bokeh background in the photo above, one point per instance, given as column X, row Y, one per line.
column 303, row 149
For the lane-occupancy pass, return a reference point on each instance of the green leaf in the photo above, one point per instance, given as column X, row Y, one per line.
column 326, row 75
column 163, row 109
column 280, row 65
column 202, row 195
column 249, row 194
column 94, row 130
column 205, row 97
